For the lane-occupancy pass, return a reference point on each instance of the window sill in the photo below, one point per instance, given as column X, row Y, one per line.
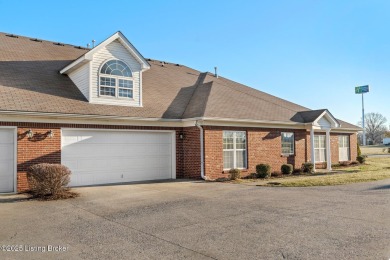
column 115, row 98
column 287, row 155
column 225, row 171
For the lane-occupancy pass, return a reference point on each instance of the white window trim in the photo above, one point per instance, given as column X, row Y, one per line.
column 235, row 150
column 293, row 143
column 320, row 149
column 117, row 78
column 344, row 138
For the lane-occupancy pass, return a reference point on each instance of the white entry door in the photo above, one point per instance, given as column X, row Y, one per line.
column 7, row 159
column 344, row 148
column 109, row 156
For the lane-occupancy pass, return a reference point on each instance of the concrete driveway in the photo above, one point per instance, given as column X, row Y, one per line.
column 198, row 220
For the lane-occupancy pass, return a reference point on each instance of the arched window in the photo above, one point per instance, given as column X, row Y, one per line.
column 116, row 80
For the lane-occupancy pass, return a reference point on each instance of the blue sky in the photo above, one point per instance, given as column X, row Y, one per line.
column 309, row 52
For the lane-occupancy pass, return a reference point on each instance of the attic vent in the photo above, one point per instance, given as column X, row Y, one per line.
column 150, row 60
column 178, row 65
column 35, row 40
column 59, row 44
column 11, row 35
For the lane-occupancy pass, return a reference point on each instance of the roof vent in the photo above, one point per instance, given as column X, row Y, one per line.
column 162, row 64
column 79, row 47
column 35, row 40
column 216, row 72
column 12, row 35
column 59, row 44
column 178, row 65
column 150, row 60
column 93, row 43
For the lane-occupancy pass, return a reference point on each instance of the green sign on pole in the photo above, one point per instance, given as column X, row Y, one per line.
column 362, row 89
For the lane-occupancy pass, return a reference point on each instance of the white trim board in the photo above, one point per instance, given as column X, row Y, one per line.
column 15, row 139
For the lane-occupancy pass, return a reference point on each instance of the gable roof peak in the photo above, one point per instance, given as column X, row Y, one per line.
column 88, row 56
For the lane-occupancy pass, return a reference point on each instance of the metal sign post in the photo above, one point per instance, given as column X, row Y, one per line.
column 362, row 90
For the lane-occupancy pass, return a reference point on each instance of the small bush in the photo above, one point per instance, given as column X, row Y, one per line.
column 354, row 162
column 287, row 168
column 388, row 150
column 48, row 179
column 263, row 170
column 235, row 174
column 308, row 167
column 276, row 174
column 361, row 159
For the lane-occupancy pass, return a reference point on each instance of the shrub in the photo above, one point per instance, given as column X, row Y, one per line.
column 361, row 159
column 359, row 152
column 287, row 168
column 263, row 170
column 235, row 174
column 48, row 179
column 354, row 162
column 308, row 167
column 388, row 150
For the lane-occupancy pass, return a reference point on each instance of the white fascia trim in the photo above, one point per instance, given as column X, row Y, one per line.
column 79, row 116
column 118, row 35
column 75, row 64
column 329, row 116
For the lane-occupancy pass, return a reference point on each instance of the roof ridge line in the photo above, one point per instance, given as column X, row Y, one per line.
column 262, row 98
column 28, row 37
column 199, row 81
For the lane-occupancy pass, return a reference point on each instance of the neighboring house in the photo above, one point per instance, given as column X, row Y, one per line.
column 386, row 141
column 112, row 116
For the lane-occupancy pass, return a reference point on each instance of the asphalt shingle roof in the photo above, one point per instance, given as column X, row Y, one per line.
column 30, row 82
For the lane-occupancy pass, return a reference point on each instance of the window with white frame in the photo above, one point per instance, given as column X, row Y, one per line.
column 234, row 149
column 116, row 80
column 287, row 143
column 320, row 148
column 344, row 154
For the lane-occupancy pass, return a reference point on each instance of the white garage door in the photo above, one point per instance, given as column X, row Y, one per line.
column 7, row 159
column 104, row 156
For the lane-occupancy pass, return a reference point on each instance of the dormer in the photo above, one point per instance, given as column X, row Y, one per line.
column 110, row 73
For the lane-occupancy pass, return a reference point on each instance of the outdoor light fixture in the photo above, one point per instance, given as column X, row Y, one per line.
column 50, row 134
column 30, row 133
column 181, row 136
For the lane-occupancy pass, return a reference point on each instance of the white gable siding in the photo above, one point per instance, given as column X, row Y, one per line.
column 115, row 50
column 80, row 78
column 323, row 122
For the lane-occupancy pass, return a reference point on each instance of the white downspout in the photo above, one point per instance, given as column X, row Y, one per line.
column 201, row 150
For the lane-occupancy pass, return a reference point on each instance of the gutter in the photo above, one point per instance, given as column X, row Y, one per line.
column 201, row 150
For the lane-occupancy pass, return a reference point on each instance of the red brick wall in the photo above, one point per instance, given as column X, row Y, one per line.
column 191, row 153
column 41, row 149
column 263, row 146
column 353, row 146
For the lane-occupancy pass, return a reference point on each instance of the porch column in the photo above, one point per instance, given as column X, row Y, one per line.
column 328, row 151
column 313, row 161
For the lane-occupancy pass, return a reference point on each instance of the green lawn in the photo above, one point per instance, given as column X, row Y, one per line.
column 374, row 169
column 375, row 149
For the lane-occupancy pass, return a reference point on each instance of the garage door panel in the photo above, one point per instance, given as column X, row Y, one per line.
column 7, row 160
column 128, row 150
column 98, row 157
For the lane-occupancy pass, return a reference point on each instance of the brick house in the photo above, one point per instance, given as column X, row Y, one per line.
column 112, row 116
